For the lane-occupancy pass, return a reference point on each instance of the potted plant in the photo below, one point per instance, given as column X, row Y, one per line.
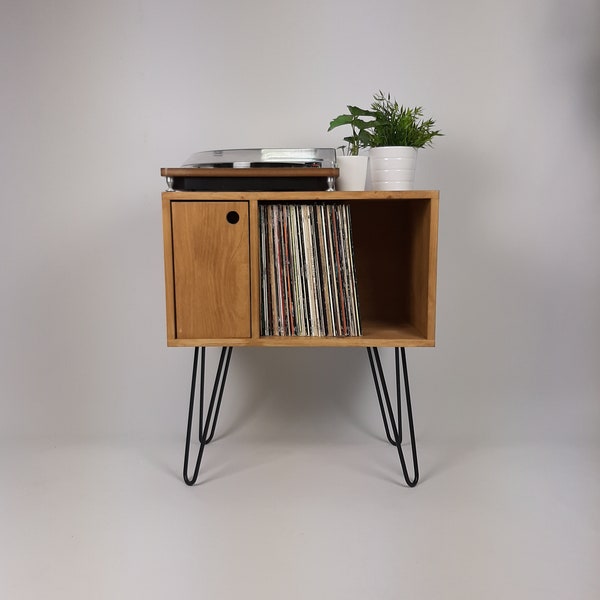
column 394, row 136
column 352, row 165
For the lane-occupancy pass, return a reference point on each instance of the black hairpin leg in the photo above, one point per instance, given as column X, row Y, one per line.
column 206, row 423
column 393, row 424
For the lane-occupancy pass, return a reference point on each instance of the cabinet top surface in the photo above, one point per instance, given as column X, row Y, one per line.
column 303, row 196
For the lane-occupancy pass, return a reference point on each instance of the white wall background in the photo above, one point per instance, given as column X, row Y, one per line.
column 97, row 96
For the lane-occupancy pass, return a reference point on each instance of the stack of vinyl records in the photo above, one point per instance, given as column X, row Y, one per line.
column 308, row 278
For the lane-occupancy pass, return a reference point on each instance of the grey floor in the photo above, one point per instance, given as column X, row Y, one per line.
column 298, row 517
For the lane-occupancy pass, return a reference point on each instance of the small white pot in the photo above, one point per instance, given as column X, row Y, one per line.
column 353, row 173
column 392, row 168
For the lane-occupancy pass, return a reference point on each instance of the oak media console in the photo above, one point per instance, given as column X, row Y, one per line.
column 214, row 249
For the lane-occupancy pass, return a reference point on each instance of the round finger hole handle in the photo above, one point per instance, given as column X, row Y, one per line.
column 233, row 217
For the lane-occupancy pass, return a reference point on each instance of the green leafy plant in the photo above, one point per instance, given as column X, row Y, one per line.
column 361, row 135
column 396, row 125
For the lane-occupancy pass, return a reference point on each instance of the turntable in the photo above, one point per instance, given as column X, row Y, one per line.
column 256, row 169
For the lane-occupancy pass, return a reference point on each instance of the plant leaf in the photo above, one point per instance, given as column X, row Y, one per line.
column 340, row 120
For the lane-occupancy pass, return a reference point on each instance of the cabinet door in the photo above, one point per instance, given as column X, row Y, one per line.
column 211, row 269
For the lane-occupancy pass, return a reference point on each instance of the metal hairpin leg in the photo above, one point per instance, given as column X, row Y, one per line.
column 206, row 424
column 393, row 425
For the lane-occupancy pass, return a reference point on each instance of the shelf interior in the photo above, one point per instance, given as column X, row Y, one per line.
column 391, row 250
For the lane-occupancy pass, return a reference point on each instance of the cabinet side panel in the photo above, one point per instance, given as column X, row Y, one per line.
column 433, row 253
column 419, row 267
column 211, row 269
column 423, row 265
column 168, row 252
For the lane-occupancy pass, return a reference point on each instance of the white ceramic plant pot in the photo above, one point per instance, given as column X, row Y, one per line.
column 392, row 168
column 353, row 173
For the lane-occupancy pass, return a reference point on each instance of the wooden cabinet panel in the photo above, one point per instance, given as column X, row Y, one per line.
column 211, row 269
